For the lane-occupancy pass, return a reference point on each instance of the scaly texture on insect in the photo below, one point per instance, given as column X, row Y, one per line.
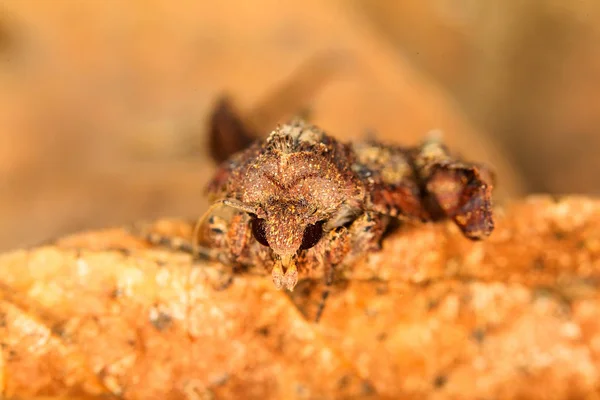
column 305, row 204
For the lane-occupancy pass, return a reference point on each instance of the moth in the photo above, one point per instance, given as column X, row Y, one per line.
column 302, row 204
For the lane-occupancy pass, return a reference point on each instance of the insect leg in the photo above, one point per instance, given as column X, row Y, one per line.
column 335, row 246
column 329, row 271
column 347, row 244
column 231, row 238
column 173, row 242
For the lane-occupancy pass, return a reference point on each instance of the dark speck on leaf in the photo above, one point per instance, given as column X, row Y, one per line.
column 161, row 320
column 344, row 381
column 263, row 331
column 440, row 381
column 367, row 388
column 478, row 335
column 560, row 235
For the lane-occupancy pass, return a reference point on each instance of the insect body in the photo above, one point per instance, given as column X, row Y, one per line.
column 302, row 203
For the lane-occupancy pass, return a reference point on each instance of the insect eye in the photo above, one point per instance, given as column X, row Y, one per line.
column 258, row 231
column 312, row 235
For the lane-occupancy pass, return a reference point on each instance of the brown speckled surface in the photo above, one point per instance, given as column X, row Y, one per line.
column 515, row 316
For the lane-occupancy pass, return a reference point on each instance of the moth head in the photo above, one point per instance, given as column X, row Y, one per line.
column 287, row 226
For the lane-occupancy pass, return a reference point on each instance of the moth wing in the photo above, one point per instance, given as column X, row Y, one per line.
column 392, row 185
column 462, row 191
column 427, row 183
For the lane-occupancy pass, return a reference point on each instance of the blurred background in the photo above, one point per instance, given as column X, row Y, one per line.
column 103, row 104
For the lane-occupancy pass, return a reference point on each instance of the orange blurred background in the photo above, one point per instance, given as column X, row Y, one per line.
column 103, row 104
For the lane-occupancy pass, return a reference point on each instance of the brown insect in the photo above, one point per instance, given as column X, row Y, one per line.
column 300, row 203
